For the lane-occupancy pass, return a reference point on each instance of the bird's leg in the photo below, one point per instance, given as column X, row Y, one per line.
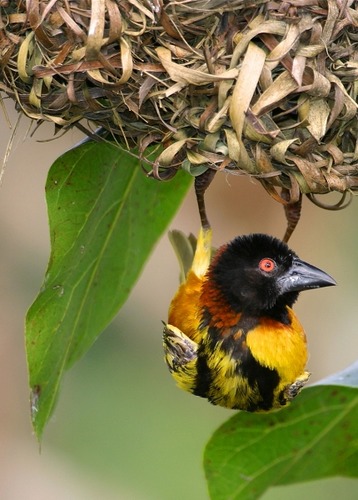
column 202, row 182
column 292, row 212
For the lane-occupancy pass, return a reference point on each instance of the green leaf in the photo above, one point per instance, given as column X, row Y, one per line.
column 315, row 437
column 105, row 216
column 347, row 377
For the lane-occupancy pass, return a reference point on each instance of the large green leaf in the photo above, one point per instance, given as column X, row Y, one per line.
column 105, row 216
column 316, row 437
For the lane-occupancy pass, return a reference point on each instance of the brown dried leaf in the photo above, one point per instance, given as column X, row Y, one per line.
column 282, row 86
column 233, row 145
column 245, row 86
column 166, row 157
column 188, row 76
column 195, row 158
column 279, row 150
column 317, row 117
column 96, row 30
column 25, row 48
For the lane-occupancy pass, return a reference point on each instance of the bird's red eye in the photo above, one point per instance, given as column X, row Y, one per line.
column 267, row 265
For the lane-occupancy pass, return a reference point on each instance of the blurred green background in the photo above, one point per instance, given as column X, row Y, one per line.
column 121, row 429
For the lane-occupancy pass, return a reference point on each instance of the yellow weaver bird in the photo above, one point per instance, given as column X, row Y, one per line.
column 232, row 336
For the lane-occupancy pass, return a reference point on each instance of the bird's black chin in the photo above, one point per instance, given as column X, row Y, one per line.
column 303, row 276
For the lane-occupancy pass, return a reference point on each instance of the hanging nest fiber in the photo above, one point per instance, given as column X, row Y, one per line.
column 265, row 88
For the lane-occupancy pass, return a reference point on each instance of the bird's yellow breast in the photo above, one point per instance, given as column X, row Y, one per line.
column 281, row 347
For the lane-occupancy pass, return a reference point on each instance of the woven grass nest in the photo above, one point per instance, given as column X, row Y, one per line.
column 265, row 88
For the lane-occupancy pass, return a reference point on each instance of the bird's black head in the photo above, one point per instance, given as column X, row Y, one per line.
column 259, row 274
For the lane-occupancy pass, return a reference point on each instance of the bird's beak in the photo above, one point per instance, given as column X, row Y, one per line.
column 302, row 276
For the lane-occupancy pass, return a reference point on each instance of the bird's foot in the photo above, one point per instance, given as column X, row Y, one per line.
column 291, row 391
column 179, row 349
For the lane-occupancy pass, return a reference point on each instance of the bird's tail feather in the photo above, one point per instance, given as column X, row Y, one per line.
column 192, row 253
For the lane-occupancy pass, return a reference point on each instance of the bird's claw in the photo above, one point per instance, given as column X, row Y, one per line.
column 292, row 390
column 179, row 349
